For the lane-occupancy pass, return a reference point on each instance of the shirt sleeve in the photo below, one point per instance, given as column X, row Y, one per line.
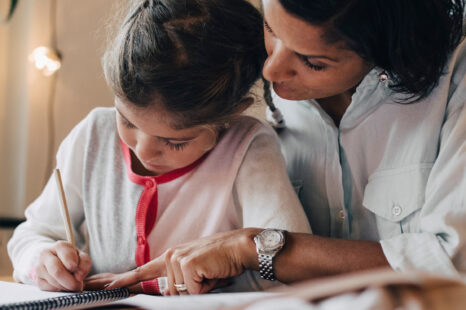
column 267, row 199
column 439, row 245
column 44, row 224
column 264, row 191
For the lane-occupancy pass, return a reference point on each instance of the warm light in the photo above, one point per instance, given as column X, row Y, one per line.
column 46, row 60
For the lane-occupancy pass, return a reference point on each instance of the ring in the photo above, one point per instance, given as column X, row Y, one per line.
column 181, row 287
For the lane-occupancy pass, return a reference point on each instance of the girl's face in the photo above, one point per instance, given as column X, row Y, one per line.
column 300, row 64
column 158, row 147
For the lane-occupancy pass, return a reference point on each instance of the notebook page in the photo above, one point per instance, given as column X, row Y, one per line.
column 192, row 302
column 17, row 292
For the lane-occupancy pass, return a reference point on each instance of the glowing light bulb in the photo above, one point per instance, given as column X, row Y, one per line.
column 45, row 60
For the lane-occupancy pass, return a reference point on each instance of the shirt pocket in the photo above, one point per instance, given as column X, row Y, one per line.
column 396, row 197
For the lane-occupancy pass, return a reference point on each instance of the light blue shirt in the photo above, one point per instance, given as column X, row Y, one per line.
column 394, row 173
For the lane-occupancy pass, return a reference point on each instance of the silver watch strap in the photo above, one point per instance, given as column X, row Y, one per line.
column 266, row 267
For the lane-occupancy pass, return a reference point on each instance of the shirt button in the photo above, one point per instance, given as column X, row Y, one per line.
column 341, row 214
column 396, row 210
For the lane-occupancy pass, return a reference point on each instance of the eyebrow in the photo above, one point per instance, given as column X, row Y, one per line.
column 305, row 56
column 163, row 138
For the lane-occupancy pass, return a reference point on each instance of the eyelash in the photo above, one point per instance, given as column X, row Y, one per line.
column 176, row 146
column 267, row 27
column 303, row 58
column 126, row 123
column 311, row 65
column 172, row 146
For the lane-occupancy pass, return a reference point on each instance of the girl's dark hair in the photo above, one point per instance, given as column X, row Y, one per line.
column 197, row 58
column 410, row 39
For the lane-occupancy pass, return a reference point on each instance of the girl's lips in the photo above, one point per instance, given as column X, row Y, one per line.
column 153, row 167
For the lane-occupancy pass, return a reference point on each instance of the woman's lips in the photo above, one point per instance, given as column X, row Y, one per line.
column 282, row 90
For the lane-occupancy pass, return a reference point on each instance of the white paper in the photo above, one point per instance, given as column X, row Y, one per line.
column 192, row 302
column 15, row 292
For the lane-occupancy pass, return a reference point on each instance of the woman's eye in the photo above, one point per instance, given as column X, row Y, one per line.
column 310, row 64
column 176, row 146
column 267, row 27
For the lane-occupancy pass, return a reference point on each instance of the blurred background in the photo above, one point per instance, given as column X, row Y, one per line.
column 50, row 78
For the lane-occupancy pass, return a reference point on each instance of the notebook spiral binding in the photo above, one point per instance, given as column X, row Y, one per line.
column 70, row 301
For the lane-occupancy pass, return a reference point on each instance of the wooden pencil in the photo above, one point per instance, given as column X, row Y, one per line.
column 64, row 208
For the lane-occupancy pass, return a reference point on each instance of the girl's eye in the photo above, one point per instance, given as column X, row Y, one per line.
column 126, row 123
column 176, row 146
column 267, row 27
column 311, row 65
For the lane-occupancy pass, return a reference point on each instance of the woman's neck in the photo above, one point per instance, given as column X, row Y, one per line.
column 335, row 106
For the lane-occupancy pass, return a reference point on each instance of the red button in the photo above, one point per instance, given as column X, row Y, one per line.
column 141, row 240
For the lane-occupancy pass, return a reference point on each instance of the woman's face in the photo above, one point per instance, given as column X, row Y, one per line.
column 300, row 64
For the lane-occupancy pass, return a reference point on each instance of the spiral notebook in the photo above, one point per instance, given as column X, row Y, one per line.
column 22, row 296
column 25, row 297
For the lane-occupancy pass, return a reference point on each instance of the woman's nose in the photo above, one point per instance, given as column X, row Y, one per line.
column 277, row 66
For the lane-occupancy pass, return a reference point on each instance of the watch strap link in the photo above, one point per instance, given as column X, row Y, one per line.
column 266, row 267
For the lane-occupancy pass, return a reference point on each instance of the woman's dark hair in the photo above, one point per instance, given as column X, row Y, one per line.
column 410, row 39
column 197, row 58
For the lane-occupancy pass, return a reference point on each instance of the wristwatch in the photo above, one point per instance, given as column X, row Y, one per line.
column 268, row 243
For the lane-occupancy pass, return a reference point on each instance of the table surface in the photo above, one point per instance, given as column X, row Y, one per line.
column 6, row 278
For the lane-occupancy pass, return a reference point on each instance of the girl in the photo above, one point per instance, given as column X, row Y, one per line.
column 173, row 160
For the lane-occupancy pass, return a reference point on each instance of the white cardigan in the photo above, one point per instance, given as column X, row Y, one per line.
column 241, row 183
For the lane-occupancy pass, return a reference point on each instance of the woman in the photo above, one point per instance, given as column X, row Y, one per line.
column 374, row 97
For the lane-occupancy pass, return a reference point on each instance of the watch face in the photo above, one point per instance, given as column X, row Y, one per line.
column 271, row 239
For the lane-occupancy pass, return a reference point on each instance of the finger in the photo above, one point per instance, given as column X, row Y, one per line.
column 68, row 255
column 55, row 268
column 176, row 261
column 101, row 276
column 98, row 281
column 191, row 278
column 45, row 281
column 170, row 276
column 84, row 266
column 198, row 281
column 46, row 286
column 149, row 271
column 208, row 285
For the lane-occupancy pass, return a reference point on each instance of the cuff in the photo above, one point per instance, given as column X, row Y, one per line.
column 155, row 287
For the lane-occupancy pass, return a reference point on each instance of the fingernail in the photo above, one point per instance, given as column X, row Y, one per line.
column 106, row 285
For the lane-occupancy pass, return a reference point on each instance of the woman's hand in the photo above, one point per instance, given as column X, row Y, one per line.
column 62, row 268
column 102, row 280
column 199, row 264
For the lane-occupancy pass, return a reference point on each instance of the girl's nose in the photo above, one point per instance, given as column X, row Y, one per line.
column 277, row 66
column 147, row 148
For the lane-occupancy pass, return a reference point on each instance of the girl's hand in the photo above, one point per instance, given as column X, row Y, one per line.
column 62, row 268
column 198, row 264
